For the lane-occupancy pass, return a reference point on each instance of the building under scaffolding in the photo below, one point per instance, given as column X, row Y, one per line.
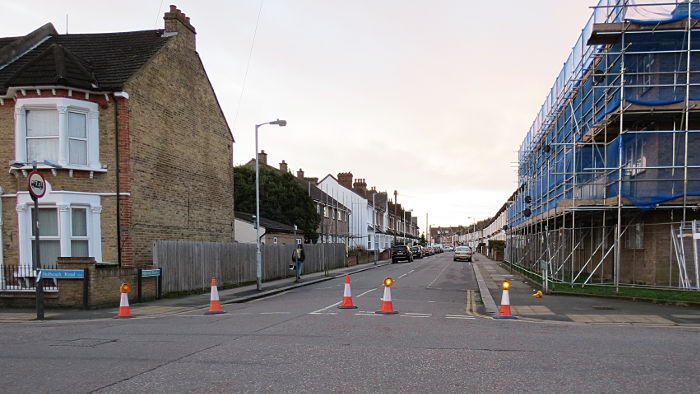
column 609, row 173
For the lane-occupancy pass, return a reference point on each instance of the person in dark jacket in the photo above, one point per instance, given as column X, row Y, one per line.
column 298, row 259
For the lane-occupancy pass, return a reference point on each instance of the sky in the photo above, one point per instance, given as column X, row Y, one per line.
column 431, row 98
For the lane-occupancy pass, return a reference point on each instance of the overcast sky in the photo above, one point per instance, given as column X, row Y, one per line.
column 431, row 98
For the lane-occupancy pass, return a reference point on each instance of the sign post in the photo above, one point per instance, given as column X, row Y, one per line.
column 37, row 188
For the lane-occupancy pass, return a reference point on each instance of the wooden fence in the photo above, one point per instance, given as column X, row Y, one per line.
column 190, row 265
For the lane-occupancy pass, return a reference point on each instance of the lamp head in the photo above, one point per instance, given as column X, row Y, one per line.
column 279, row 122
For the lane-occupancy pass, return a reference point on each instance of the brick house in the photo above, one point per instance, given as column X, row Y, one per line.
column 334, row 225
column 134, row 123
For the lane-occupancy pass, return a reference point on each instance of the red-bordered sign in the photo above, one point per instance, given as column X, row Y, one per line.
column 37, row 184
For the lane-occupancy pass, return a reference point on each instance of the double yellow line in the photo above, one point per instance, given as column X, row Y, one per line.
column 471, row 303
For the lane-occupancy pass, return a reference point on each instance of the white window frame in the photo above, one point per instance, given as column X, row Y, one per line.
column 63, row 106
column 63, row 201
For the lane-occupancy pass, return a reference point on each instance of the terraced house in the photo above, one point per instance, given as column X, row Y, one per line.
column 609, row 173
column 126, row 129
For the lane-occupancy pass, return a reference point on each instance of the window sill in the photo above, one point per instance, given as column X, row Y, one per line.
column 71, row 169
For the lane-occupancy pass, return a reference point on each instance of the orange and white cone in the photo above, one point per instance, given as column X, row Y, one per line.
column 387, row 305
column 214, row 303
column 504, row 312
column 347, row 296
column 124, row 310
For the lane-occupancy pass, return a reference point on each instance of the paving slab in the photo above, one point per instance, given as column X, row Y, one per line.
column 583, row 309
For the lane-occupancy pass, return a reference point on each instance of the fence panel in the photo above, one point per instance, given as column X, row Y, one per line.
column 189, row 265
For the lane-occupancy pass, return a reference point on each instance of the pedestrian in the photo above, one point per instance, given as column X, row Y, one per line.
column 298, row 258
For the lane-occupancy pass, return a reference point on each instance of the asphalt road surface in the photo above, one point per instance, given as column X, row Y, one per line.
column 299, row 341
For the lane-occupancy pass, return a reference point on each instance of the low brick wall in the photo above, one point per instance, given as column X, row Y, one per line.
column 103, row 284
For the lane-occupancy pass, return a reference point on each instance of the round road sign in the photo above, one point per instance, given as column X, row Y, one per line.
column 37, row 184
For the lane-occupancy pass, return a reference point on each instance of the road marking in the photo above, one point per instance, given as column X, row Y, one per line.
column 413, row 314
column 366, row 313
column 368, row 291
column 460, row 317
column 406, row 274
column 322, row 310
column 438, row 275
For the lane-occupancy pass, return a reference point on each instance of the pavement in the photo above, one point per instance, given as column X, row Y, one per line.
column 489, row 274
column 170, row 306
column 566, row 308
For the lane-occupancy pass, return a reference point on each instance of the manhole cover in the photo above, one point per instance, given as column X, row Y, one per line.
column 603, row 308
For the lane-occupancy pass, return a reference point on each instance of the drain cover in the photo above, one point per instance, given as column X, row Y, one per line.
column 603, row 308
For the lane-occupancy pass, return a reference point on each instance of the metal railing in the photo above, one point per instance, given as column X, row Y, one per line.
column 23, row 278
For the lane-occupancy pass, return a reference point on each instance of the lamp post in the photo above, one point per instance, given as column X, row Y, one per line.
column 36, row 187
column 258, row 256
column 404, row 225
column 473, row 231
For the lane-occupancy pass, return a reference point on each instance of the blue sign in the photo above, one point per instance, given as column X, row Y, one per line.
column 62, row 274
column 149, row 273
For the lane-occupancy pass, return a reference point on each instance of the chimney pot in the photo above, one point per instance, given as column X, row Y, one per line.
column 300, row 174
column 177, row 22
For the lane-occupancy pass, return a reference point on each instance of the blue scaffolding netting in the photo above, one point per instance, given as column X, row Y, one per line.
column 649, row 67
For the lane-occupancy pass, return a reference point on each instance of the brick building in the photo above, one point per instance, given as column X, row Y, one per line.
column 334, row 224
column 128, row 114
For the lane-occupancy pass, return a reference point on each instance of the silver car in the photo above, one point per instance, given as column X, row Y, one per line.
column 463, row 253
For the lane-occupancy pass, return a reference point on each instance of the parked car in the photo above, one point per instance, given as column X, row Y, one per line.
column 417, row 251
column 448, row 248
column 463, row 253
column 401, row 252
column 427, row 251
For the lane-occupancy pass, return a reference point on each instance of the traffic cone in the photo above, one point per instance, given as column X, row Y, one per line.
column 387, row 306
column 347, row 296
column 214, row 303
column 504, row 312
column 124, row 310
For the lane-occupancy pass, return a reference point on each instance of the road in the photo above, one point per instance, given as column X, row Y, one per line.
column 299, row 341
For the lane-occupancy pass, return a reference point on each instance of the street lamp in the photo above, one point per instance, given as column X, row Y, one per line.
column 473, row 231
column 258, row 256
column 37, row 188
column 404, row 225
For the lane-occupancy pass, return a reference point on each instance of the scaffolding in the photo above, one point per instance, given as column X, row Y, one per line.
column 609, row 175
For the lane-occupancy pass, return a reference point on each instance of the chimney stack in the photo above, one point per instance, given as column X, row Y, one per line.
column 262, row 157
column 360, row 185
column 300, row 174
column 345, row 179
column 283, row 167
column 177, row 23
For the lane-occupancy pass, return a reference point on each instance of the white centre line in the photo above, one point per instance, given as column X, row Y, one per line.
column 438, row 275
column 407, row 273
column 368, row 291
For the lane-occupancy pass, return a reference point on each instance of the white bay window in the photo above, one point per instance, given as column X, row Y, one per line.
column 69, row 226
column 59, row 129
